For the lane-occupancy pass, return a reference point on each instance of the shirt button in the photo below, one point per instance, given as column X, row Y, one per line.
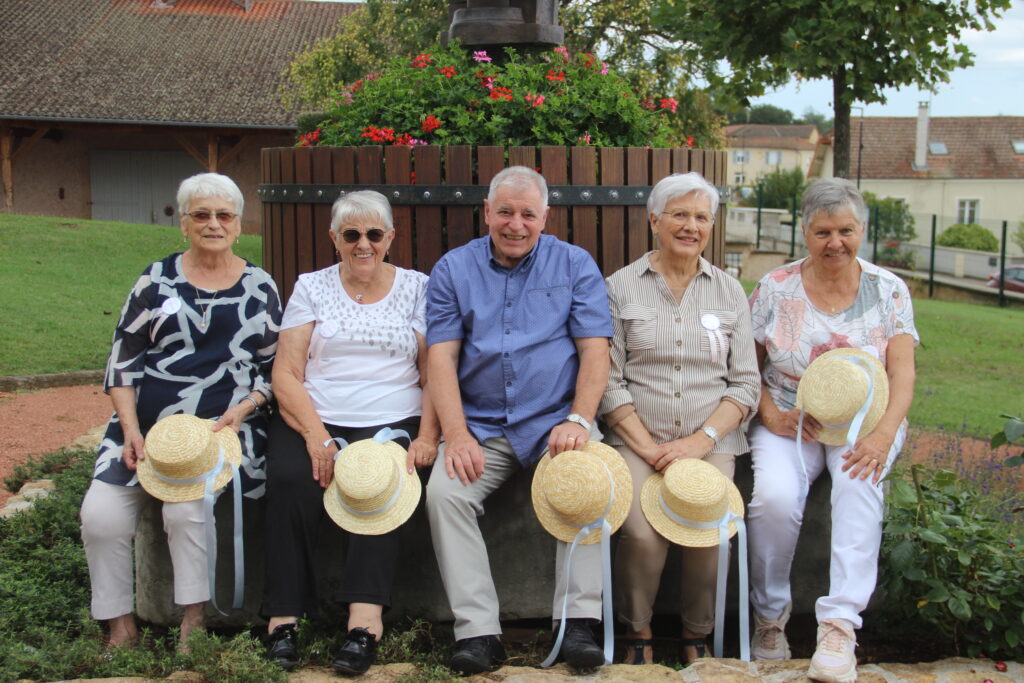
column 509, row 411
column 677, row 394
column 679, row 343
column 679, row 320
column 508, row 331
column 508, row 304
column 508, row 384
column 679, row 367
column 678, row 423
column 506, row 354
column 895, row 295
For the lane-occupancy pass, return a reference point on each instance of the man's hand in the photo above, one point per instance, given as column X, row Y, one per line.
column 463, row 457
column 568, row 436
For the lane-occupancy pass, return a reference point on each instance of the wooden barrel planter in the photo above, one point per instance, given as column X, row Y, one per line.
column 597, row 196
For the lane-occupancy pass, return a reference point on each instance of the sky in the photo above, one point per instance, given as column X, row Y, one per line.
column 993, row 86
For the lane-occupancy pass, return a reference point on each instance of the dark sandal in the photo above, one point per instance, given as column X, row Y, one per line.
column 700, row 644
column 635, row 650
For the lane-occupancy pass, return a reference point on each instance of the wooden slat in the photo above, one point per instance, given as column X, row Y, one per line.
column 277, row 216
column 555, row 170
column 697, row 161
column 584, row 218
column 680, row 160
column 289, row 236
column 720, row 179
column 369, row 164
column 305, row 255
column 522, row 156
column 638, row 234
column 429, row 229
column 489, row 162
column 458, row 170
column 323, row 247
column 343, row 169
column 613, row 218
column 398, row 171
column 268, row 225
column 661, row 164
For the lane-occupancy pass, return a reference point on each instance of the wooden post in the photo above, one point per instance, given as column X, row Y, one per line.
column 6, row 144
column 211, row 152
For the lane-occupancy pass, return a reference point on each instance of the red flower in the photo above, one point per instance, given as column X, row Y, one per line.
column 431, row 123
column 555, row 76
column 647, row 103
column 448, row 71
column 1000, row 666
column 378, row 134
column 499, row 93
column 588, row 60
column 689, row 142
column 403, row 139
column 422, row 60
column 669, row 103
column 309, row 138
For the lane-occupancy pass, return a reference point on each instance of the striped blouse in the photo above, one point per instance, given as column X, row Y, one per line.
column 676, row 362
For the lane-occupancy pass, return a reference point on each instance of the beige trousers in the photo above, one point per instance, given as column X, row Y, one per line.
column 109, row 516
column 640, row 559
column 462, row 555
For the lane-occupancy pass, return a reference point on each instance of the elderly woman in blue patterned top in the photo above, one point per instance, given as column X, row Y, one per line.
column 197, row 335
column 683, row 379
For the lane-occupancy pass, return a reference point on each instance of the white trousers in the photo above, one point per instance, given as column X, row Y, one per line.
column 776, row 512
column 453, row 510
column 109, row 516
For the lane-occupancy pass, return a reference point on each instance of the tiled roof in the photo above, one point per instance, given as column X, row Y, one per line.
column 205, row 62
column 979, row 147
column 767, row 130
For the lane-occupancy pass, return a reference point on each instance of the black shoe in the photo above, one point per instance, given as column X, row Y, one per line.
column 357, row 654
column 282, row 646
column 579, row 650
column 476, row 655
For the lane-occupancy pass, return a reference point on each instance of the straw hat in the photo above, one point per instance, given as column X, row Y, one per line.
column 694, row 490
column 184, row 447
column 573, row 490
column 372, row 493
column 834, row 388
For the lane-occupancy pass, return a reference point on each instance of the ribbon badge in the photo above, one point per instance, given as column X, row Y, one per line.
column 712, row 325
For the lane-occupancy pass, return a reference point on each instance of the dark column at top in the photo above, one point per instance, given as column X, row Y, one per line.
column 523, row 24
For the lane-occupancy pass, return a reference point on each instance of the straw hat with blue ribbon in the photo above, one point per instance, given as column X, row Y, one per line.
column 846, row 391
column 186, row 460
column 692, row 504
column 372, row 492
column 582, row 497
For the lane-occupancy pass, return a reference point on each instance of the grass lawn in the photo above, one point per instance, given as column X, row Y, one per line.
column 64, row 282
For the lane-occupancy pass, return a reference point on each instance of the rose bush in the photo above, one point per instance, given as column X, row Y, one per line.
column 451, row 96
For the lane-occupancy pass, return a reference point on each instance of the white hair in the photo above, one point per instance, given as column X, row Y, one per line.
column 205, row 185
column 680, row 185
column 361, row 204
column 832, row 196
column 521, row 178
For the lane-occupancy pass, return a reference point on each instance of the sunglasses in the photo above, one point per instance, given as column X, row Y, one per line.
column 352, row 235
column 205, row 216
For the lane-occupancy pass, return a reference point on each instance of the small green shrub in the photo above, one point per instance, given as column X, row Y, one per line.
column 968, row 236
column 1012, row 432
column 952, row 561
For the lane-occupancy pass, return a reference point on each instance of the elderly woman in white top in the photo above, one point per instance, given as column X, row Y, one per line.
column 683, row 379
column 351, row 361
column 829, row 300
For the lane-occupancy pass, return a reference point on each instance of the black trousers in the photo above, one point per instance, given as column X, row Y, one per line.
column 295, row 509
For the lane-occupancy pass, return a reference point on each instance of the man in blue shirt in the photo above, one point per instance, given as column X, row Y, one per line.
column 517, row 330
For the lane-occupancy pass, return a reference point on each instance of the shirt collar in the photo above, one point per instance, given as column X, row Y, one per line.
column 526, row 261
column 703, row 265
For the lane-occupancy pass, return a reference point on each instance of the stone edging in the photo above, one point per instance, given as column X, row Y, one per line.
column 50, row 380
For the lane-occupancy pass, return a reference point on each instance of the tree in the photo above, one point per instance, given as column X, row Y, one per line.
column 817, row 119
column 862, row 46
column 895, row 223
column 778, row 188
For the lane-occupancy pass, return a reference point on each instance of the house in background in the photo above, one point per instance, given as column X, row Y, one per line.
column 106, row 105
column 756, row 149
column 964, row 169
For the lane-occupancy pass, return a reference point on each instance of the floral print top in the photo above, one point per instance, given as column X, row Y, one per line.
column 794, row 332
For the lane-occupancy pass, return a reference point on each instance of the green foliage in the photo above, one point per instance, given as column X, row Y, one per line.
column 1018, row 236
column 778, row 188
column 952, row 562
column 1012, row 432
column 763, row 113
column 455, row 97
column 815, row 118
column 894, row 220
column 968, row 236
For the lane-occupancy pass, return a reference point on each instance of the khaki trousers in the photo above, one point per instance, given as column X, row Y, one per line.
column 453, row 510
column 640, row 559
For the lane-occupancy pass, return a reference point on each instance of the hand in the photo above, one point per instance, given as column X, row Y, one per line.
column 422, row 453
column 321, row 458
column 234, row 416
column 694, row 446
column 134, row 448
column 785, row 423
column 567, row 436
column 868, row 457
column 463, row 457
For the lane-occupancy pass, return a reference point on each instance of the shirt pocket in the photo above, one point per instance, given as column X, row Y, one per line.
column 714, row 343
column 546, row 312
column 640, row 325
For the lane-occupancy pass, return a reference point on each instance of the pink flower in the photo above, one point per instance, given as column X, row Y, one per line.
column 564, row 51
column 481, row 56
column 669, row 103
column 604, row 68
column 535, row 100
column 585, row 139
column 836, row 341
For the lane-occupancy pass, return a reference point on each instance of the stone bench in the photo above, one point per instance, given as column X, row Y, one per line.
column 522, row 559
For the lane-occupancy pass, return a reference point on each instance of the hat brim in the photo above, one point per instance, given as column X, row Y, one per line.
column 227, row 440
column 621, row 497
column 836, row 436
column 650, row 503
column 379, row 523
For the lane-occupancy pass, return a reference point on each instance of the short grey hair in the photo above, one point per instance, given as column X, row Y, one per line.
column 519, row 177
column 361, row 204
column 680, row 185
column 832, row 196
column 205, row 185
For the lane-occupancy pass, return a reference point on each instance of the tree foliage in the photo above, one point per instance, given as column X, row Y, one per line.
column 894, row 220
column 862, row 46
column 968, row 236
column 778, row 188
column 763, row 113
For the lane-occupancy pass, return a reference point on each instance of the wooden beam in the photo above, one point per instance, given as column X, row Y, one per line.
column 7, row 166
column 211, row 152
column 27, row 145
column 187, row 146
column 234, row 151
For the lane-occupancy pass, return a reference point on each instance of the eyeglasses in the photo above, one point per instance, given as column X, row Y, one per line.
column 680, row 217
column 352, row 235
column 205, row 216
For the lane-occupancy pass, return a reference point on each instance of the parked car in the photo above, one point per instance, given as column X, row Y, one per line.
column 1014, row 281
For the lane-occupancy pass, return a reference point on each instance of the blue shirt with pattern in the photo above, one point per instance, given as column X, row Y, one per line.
column 518, row 361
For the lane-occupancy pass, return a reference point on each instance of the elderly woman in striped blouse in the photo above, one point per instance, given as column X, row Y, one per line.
column 683, row 379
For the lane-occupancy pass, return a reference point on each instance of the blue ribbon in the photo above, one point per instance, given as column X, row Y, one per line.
column 209, row 479
column 722, row 525
column 383, row 436
column 606, row 579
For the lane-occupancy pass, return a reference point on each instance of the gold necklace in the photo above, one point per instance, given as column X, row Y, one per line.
column 206, row 308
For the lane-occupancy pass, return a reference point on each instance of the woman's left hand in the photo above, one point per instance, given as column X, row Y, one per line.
column 693, row 446
column 234, row 416
column 422, row 453
column 868, row 457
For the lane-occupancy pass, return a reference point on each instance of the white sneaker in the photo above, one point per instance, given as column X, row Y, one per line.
column 769, row 641
column 834, row 661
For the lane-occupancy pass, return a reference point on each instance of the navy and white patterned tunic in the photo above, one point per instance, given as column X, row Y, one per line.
column 176, row 365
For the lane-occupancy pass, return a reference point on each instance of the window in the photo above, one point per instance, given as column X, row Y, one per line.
column 1018, row 146
column 937, row 148
column 967, row 210
column 739, row 178
column 734, row 263
column 773, row 157
column 741, row 156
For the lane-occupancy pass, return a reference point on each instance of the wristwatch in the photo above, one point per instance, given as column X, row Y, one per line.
column 578, row 419
column 711, row 432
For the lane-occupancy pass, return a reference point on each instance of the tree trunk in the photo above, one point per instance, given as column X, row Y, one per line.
column 841, row 138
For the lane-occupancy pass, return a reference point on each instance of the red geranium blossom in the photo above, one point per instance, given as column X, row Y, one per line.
column 431, row 123
column 669, row 103
column 448, row 71
column 422, row 60
column 555, row 76
column 499, row 93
